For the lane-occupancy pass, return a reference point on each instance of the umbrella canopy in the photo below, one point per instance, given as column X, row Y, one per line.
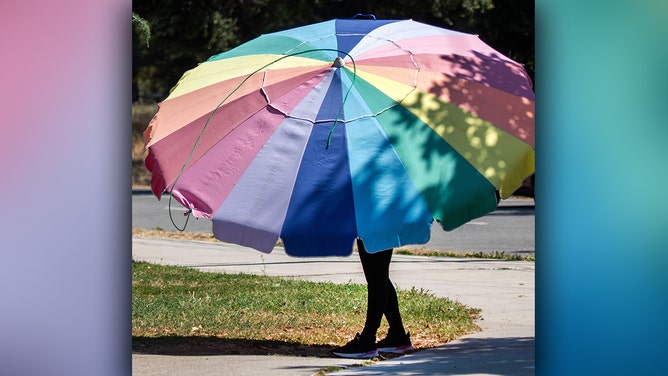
column 342, row 129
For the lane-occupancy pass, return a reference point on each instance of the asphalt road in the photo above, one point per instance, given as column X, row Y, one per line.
column 509, row 229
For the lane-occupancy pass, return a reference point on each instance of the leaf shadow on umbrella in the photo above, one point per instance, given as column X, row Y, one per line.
column 511, row 85
column 495, row 71
column 492, row 128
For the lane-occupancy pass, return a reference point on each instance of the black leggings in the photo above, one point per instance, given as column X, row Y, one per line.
column 381, row 295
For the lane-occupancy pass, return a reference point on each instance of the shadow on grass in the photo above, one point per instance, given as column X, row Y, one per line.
column 211, row 346
column 197, row 346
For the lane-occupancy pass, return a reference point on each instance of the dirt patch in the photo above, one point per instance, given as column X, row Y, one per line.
column 162, row 234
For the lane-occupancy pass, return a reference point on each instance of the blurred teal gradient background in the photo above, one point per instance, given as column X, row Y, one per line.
column 601, row 203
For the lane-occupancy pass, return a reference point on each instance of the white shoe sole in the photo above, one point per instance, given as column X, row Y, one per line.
column 366, row 355
column 395, row 350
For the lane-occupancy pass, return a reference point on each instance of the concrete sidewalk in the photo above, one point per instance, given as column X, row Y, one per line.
column 503, row 290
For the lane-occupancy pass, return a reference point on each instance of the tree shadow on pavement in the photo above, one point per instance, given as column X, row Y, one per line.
column 509, row 356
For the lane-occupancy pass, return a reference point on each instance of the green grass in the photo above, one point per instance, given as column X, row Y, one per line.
column 183, row 303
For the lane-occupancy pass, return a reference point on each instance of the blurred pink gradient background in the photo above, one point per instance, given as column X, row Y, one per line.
column 64, row 276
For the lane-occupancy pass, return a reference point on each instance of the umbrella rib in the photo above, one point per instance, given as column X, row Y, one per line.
column 415, row 77
column 264, row 92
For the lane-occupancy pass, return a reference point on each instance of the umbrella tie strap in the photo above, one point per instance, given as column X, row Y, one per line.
column 186, row 214
column 338, row 62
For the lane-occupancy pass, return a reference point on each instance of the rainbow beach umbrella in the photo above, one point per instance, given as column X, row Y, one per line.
column 344, row 129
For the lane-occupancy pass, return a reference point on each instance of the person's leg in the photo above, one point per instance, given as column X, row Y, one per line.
column 376, row 268
column 392, row 313
column 382, row 299
column 397, row 340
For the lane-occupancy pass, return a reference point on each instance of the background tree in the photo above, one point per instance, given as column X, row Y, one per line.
column 187, row 32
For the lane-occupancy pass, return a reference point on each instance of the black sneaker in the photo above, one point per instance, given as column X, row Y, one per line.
column 358, row 348
column 396, row 344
